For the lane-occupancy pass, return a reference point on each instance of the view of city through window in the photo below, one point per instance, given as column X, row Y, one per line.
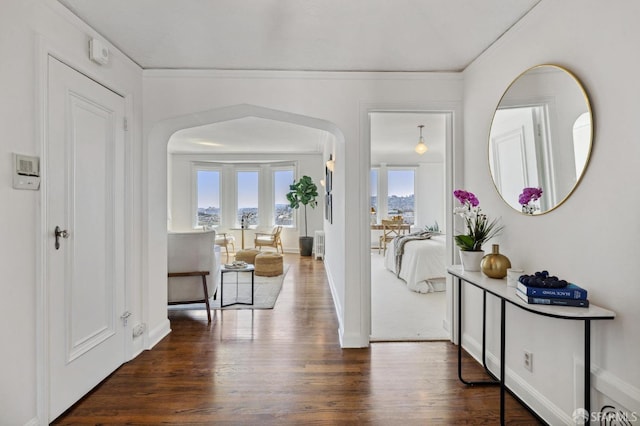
column 283, row 214
column 248, row 183
column 208, row 198
column 248, row 188
column 400, row 196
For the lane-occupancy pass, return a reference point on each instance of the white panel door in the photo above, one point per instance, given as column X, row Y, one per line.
column 513, row 152
column 85, row 196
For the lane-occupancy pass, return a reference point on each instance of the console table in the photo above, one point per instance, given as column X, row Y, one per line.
column 499, row 289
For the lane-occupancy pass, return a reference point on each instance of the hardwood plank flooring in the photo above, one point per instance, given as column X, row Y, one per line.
column 285, row 366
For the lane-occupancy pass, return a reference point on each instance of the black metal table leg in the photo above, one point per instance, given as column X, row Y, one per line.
column 467, row 382
column 221, row 290
column 587, row 369
column 502, row 358
column 237, row 272
column 252, row 283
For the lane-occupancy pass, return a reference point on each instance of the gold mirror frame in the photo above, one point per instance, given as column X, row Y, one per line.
column 529, row 134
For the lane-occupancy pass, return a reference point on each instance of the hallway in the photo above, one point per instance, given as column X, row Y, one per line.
column 285, row 366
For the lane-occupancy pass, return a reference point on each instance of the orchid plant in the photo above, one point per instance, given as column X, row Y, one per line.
column 479, row 228
column 527, row 199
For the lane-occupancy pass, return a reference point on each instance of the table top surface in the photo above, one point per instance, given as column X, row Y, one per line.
column 245, row 268
column 379, row 226
column 499, row 288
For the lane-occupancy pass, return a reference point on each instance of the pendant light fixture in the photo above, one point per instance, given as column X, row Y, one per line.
column 421, row 147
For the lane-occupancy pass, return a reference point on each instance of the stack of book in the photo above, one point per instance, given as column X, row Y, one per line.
column 569, row 295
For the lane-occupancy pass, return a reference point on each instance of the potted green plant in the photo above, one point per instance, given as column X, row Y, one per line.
column 303, row 192
column 479, row 229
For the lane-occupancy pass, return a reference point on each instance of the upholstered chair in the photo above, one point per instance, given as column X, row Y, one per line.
column 193, row 263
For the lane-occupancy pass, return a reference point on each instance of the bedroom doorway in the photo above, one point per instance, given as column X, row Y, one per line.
column 408, row 304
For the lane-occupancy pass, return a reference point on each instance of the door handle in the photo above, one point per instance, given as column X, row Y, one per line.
column 60, row 233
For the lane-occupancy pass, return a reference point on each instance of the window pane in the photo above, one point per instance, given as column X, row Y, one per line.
column 248, row 198
column 283, row 214
column 401, row 200
column 208, row 198
column 373, row 199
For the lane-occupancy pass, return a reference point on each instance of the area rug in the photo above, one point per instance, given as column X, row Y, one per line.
column 266, row 292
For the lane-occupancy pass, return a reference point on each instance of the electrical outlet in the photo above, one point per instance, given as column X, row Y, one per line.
column 528, row 360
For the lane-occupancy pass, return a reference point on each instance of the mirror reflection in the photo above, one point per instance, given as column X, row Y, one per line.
column 540, row 139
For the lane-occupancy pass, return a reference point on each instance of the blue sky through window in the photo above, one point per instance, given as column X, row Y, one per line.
column 247, row 190
column 400, row 182
column 281, row 181
column 208, row 189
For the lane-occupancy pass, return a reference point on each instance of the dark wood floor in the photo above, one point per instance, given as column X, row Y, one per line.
column 285, row 366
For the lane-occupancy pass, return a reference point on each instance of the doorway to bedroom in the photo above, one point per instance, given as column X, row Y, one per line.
column 408, row 291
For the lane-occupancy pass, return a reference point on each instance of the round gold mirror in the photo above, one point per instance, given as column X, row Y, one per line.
column 540, row 139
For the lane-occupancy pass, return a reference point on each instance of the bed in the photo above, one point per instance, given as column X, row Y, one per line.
column 422, row 266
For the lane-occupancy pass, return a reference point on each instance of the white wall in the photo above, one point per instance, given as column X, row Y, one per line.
column 341, row 100
column 430, row 201
column 181, row 193
column 592, row 238
column 29, row 29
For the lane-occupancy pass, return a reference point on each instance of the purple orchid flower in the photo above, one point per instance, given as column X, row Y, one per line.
column 529, row 194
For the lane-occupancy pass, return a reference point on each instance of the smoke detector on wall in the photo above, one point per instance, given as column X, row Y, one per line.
column 98, row 52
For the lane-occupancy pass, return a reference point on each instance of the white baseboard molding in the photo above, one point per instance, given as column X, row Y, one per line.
column 543, row 407
column 158, row 333
column 607, row 388
column 33, row 422
column 138, row 346
column 447, row 326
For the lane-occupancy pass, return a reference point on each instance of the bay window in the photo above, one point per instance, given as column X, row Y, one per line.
column 225, row 193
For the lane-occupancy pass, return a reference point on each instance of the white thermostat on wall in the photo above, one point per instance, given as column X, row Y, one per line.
column 98, row 52
column 26, row 172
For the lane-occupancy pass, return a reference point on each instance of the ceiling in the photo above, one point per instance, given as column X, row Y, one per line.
column 248, row 135
column 393, row 137
column 313, row 35
column 321, row 35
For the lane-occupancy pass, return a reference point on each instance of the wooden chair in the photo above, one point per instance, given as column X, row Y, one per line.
column 225, row 240
column 270, row 240
column 390, row 230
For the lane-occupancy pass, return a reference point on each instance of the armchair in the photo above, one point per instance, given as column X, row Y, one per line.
column 269, row 239
column 192, row 257
column 225, row 240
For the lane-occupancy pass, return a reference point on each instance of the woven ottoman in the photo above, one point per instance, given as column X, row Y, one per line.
column 248, row 256
column 268, row 264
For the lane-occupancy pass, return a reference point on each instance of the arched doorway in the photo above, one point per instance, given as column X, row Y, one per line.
column 155, row 202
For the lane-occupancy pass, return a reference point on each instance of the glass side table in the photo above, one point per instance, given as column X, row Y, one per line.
column 246, row 269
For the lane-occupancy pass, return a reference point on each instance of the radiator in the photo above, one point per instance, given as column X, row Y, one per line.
column 318, row 244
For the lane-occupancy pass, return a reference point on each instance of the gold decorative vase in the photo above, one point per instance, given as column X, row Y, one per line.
column 494, row 264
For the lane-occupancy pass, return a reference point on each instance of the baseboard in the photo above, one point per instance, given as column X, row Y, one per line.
column 345, row 341
column 447, row 326
column 138, row 346
column 33, row 422
column 543, row 407
column 160, row 332
column 608, row 390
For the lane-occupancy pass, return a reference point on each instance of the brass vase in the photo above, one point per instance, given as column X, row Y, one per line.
column 494, row 264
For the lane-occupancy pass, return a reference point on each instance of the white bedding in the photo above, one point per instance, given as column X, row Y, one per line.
column 423, row 264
